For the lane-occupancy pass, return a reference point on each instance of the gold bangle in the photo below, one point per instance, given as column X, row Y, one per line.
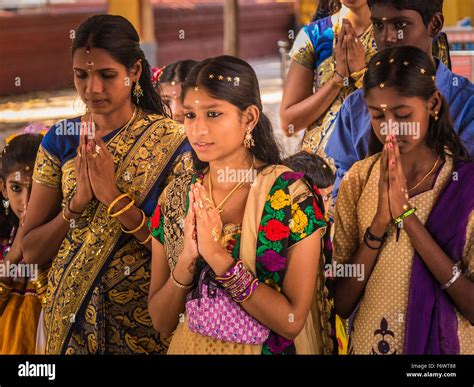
column 356, row 75
column 138, row 228
column 41, row 286
column 65, row 218
column 146, row 240
column 123, row 210
column 116, row 200
column 178, row 284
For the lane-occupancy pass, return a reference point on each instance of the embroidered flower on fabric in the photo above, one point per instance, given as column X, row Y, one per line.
column 276, row 230
column 299, row 220
column 155, row 219
column 272, row 261
column 280, row 200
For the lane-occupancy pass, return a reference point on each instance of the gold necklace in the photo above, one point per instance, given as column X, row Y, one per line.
column 122, row 129
column 426, row 176
column 239, row 184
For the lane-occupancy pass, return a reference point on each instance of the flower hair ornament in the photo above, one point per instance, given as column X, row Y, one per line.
column 156, row 73
column 33, row 128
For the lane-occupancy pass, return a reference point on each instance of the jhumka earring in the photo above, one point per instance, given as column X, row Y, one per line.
column 6, row 205
column 249, row 141
column 137, row 91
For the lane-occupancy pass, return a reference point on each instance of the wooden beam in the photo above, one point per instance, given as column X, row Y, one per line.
column 231, row 27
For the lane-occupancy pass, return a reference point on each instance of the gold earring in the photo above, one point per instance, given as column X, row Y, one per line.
column 436, row 116
column 6, row 205
column 137, row 91
column 248, row 141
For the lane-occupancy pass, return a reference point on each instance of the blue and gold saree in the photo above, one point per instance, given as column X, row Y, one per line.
column 98, row 284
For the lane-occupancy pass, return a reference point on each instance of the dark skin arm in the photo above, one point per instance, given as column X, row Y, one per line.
column 349, row 290
column 95, row 178
column 300, row 107
column 440, row 265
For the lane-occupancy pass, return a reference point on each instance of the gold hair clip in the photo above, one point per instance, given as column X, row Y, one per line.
column 391, row 60
column 382, row 85
column 211, row 76
column 422, row 71
column 378, row 63
column 196, row 88
column 384, row 19
column 433, row 78
column 173, row 83
column 406, row 63
column 229, row 79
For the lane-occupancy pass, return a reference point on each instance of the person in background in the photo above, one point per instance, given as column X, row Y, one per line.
column 168, row 82
column 329, row 58
column 21, row 296
column 402, row 23
column 318, row 171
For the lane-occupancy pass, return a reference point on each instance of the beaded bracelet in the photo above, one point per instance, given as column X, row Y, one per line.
column 179, row 284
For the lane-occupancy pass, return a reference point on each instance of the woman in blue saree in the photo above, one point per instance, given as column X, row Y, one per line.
column 106, row 170
column 329, row 59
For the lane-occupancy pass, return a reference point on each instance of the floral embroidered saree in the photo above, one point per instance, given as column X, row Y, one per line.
column 282, row 209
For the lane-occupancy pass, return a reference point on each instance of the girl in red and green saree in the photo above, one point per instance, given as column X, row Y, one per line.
column 238, row 247
column 21, row 295
column 406, row 215
column 96, row 180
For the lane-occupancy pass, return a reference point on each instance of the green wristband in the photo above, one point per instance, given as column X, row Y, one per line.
column 405, row 215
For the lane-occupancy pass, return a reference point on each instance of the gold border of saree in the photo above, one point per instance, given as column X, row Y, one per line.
column 145, row 159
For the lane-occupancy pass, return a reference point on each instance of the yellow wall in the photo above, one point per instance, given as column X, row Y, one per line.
column 305, row 10
column 455, row 10
column 129, row 9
